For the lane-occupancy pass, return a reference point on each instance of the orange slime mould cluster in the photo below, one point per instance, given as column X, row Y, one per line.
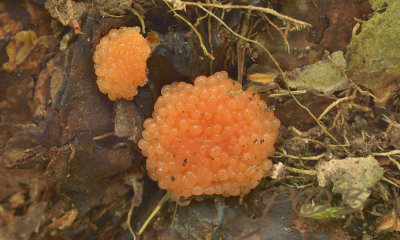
column 120, row 63
column 209, row 138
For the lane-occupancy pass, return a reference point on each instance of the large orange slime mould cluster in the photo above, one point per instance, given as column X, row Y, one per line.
column 209, row 138
column 120, row 63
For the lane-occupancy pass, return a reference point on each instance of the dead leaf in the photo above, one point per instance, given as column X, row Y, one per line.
column 391, row 222
column 6, row 216
column 19, row 48
column 65, row 221
column 261, row 77
column 291, row 114
column 137, row 185
column 153, row 39
column 10, row 26
column 373, row 54
column 128, row 122
column 17, row 199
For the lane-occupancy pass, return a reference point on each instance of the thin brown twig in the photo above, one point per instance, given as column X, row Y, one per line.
column 301, row 171
column 65, row 23
column 163, row 200
column 396, row 202
column 394, row 161
column 74, row 22
column 391, row 182
column 286, row 35
column 313, row 116
column 286, row 93
column 242, row 37
column 174, row 216
column 140, row 17
column 110, row 15
column 278, row 29
column 348, row 79
column 249, row 7
column 394, row 152
column 128, row 221
column 333, row 105
column 318, row 157
column 205, row 51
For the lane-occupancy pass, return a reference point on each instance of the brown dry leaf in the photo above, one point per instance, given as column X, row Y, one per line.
column 9, row 27
column 65, row 221
column 153, row 39
column 6, row 216
column 391, row 222
column 291, row 114
column 137, row 185
column 372, row 55
column 261, row 82
column 17, row 198
column 19, row 48
column 261, row 77
column 128, row 122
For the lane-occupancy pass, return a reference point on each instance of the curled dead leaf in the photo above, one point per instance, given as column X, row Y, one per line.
column 19, row 48
column 65, row 221
column 261, row 82
column 17, row 199
column 261, row 77
column 153, row 39
column 390, row 223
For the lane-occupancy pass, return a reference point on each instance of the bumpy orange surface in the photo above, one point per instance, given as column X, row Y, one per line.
column 210, row 138
column 120, row 63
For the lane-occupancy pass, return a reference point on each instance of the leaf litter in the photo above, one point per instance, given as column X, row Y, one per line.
column 80, row 149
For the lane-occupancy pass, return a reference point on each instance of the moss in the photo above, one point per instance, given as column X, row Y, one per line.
column 374, row 54
column 322, row 76
column 375, row 4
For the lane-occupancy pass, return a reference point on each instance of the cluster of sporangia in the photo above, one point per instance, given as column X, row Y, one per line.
column 203, row 139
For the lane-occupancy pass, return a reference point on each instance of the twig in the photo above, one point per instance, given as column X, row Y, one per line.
column 205, row 51
column 199, row 19
column 318, row 157
column 286, row 35
column 395, row 162
column 278, row 29
column 396, row 202
column 286, row 93
column 333, row 105
column 390, row 121
column 249, row 7
column 316, row 120
column 164, row 199
column 103, row 136
column 298, row 132
column 174, row 216
column 128, row 221
column 301, row 171
column 65, row 23
column 351, row 81
column 140, row 19
column 209, row 29
column 394, row 152
column 242, row 37
column 74, row 22
column 110, row 15
column 389, row 181
column 362, row 108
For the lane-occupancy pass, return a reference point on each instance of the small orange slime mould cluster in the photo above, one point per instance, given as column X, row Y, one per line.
column 120, row 63
column 208, row 138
